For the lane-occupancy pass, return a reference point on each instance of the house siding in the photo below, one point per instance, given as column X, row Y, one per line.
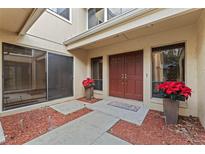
column 48, row 34
column 201, row 67
column 184, row 34
column 55, row 29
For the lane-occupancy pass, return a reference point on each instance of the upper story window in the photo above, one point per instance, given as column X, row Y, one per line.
column 113, row 12
column 63, row 12
column 95, row 17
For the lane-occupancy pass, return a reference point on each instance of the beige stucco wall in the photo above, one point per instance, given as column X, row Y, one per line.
column 201, row 67
column 48, row 34
column 185, row 34
column 54, row 28
column 34, row 42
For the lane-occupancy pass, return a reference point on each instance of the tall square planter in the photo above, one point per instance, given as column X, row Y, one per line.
column 89, row 92
column 171, row 110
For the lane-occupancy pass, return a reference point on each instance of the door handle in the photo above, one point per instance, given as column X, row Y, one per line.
column 122, row 76
column 125, row 76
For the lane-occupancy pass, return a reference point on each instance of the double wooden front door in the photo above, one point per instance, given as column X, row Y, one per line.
column 126, row 75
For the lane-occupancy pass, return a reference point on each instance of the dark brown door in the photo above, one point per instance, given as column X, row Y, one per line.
column 116, row 71
column 126, row 75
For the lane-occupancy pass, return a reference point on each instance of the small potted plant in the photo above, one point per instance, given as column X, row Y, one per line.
column 172, row 92
column 88, row 84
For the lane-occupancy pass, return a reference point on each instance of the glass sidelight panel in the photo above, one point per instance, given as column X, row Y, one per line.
column 60, row 76
column 24, row 76
column 168, row 64
column 96, row 72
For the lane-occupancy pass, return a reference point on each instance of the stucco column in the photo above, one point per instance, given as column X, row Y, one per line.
column 147, row 84
column 106, row 75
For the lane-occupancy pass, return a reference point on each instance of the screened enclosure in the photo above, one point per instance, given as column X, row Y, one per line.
column 60, row 76
column 25, row 77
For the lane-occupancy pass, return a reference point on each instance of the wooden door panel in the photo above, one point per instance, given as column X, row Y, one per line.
column 134, row 75
column 116, row 69
column 130, row 65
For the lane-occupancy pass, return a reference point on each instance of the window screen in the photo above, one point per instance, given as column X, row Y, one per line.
column 24, row 76
column 60, row 76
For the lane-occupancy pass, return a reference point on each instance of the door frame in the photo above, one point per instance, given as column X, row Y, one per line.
column 140, row 50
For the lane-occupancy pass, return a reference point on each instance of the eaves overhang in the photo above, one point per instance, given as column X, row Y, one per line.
column 134, row 19
column 121, row 18
column 35, row 14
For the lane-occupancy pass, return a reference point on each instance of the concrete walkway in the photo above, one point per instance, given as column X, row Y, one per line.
column 2, row 137
column 68, row 107
column 127, row 115
column 88, row 129
column 92, row 128
column 103, row 106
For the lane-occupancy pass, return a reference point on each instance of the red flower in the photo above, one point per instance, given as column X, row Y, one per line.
column 175, row 88
column 88, row 82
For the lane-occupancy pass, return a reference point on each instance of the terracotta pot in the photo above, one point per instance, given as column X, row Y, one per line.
column 89, row 92
column 171, row 111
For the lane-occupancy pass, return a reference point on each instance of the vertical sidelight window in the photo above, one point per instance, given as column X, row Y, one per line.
column 168, row 64
column 60, row 76
column 96, row 72
column 24, row 76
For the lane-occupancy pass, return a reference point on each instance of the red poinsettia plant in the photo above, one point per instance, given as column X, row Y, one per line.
column 174, row 90
column 88, row 82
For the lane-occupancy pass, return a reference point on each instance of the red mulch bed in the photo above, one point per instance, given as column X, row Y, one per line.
column 92, row 101
column 23, row 127
column 154, row 131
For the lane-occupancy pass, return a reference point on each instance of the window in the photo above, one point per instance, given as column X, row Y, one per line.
column 168, row 64
column 112, row 12
column 25, row 75
column 63, row 12
column 96, row 72
column 95, row 17
column 60, row 76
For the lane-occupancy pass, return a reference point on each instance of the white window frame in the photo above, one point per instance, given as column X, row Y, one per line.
column 61, row 17
column 105, row 17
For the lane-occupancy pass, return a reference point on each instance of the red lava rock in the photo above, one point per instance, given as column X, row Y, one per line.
column 155, row 131
column 92, row 101
column 23, row 127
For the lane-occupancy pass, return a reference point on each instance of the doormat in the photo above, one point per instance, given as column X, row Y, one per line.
column 124, row 106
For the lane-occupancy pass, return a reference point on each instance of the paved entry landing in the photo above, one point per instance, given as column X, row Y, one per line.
column 88, row 129
column 68, row 107
column 125, row 113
